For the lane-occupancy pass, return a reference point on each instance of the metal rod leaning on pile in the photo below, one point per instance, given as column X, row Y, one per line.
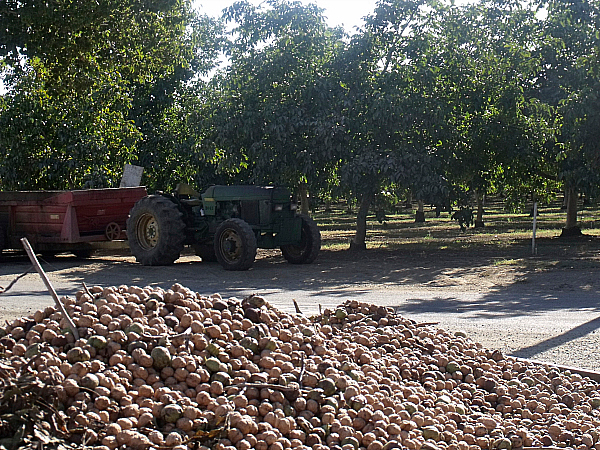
column 49, row 286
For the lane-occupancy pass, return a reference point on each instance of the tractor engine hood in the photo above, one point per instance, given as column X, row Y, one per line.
column 233, row 193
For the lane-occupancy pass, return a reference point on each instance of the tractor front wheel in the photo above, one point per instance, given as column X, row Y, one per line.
column 155, row 231
column 310, row 244
column 235, row 245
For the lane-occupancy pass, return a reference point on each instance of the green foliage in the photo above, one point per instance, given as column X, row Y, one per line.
column 55, row 142
column 464, row 217
column 429, row 97
column 393, row 122
column 73, row 44
column 571, row 47
column 277, row 110
column 95, row 85
column 496, row 130
column 569, row 82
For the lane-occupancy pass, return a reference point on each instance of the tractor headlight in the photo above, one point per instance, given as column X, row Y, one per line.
column 278, row 208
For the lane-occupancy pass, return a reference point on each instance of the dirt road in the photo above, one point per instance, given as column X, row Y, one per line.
column 544, row 307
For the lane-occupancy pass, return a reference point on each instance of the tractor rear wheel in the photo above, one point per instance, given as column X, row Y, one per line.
column 310, row 244
column 235, row 245
column 155, row 231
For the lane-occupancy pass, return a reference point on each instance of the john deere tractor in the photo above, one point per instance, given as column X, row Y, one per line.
column 225, row 224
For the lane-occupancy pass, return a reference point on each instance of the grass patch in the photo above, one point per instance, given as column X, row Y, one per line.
column 507, row 262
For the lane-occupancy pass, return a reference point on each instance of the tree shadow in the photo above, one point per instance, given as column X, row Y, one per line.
column 537, row 293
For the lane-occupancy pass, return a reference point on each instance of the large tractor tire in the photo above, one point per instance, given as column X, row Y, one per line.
column 235, row 245
column 155, row 231
column 309, row 247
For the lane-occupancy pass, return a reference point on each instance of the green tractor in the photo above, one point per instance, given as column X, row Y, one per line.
column 225, row 224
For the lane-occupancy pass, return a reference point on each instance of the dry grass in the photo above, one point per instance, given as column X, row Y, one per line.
column 503, row 232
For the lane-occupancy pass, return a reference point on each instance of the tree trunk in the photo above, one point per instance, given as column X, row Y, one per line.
column 409, row 199
column 420, row 216
column 479, row 219
column 359, row 241
column 571, row 228
column 304, row 203
column 349, row 205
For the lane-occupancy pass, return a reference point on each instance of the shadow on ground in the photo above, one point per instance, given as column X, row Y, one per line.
column 508, row 281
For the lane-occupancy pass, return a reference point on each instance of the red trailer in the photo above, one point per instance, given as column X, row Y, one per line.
column 65, row 221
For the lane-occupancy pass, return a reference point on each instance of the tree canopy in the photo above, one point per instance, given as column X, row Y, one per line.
column 89, row 82
column 276, row 103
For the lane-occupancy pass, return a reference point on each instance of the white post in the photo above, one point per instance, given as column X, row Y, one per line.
column 533, row 249
column 132, row 176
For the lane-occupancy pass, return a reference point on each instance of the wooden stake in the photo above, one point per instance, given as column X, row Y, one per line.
column 297, row 307
column 49, row 286
column 592, row 374
column 533, row 247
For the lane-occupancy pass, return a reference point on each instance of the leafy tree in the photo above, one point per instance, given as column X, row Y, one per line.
column 73, row 44
column 276, row 109
column 170, row 113
column 570, row 82
column 55, row 142
column 393, row 119
column 497, row 129
column 92, row 85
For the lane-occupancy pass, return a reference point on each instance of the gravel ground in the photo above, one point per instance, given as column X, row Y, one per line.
column 543, row 308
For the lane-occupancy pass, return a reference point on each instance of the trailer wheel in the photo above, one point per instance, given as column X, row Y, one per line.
column 112, row 231
column 235, row 245
column 155, row 231
column 310, row 244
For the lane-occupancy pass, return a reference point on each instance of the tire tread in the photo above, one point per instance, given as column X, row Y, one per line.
column 315, row 244
column 248, row 240
column 172, row 228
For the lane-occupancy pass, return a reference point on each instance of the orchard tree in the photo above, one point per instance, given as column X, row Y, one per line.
column 486, row 72
column 76, row 45
column 171, row 113
column 395, row 124
column 278, row 106
column 56, row 142
column 569, row 83
column 75, row 69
